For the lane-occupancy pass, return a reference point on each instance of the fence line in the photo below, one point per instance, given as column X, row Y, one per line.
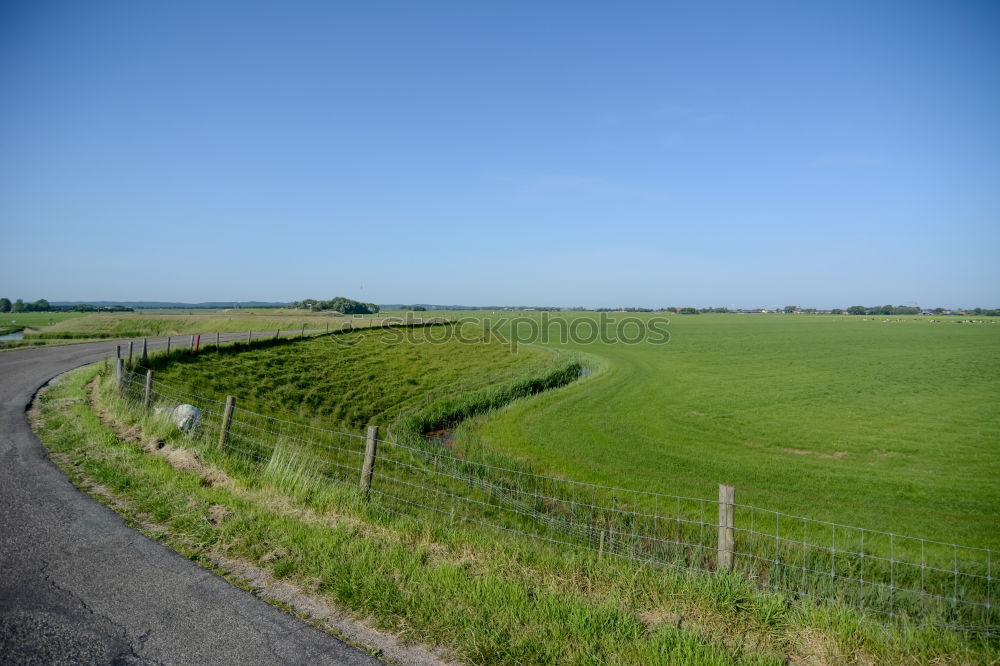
column 893, row 575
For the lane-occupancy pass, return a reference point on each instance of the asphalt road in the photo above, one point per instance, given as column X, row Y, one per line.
column 79, row 587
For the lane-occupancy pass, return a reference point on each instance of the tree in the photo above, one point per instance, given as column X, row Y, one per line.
column 4, row 305
column 18, row 306
column 857, row 310
column 41, row 305
column 789, row 309
column 836, row 311
column 338, row 304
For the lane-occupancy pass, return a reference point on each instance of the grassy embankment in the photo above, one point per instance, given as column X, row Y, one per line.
column 488, row 597
column 363, row 377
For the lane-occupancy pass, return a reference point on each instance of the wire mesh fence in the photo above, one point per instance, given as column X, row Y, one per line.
column 932, row 582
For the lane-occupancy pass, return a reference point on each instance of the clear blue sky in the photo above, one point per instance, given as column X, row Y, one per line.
column 552, row 153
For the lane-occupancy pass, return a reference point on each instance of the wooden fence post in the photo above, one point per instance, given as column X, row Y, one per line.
column 168, row 344
column 120, row 374
column 302, row 333
column 130, row 353
column 217, row 341
column 148, row 399
column 249, row 335
column 197, row 344
column 369, row 465
column 227, row 419
column 118, row 351
column 727, row 541
column 191, row 346
column 145, row 352
column 277, row 334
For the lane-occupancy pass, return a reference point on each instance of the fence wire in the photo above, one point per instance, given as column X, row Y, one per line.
column 932, row 582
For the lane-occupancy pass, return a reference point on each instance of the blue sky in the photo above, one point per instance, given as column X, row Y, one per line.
column 559, row 153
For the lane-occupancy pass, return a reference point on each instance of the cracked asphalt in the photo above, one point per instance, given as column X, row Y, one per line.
column 79, row 587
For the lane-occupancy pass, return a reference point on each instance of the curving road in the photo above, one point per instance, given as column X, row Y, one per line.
column 79, row 587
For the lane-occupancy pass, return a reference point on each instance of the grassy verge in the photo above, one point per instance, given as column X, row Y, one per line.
column 485, row 596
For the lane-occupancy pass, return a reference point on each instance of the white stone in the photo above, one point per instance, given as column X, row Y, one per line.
column 186, row 417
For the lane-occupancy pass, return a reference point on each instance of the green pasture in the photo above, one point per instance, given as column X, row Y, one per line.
column 19, row 320
column 890, row 425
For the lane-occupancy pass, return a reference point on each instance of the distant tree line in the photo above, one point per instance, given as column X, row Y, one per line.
column 623, row 310
column 42, row 305
column 691, row 310
column 84, row 307
column 794, row 309
column 337, row 304
column 884, row 310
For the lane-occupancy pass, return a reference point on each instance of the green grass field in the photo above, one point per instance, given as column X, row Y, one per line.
column 46, row 320
column 887, row 425
column 12, row 322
